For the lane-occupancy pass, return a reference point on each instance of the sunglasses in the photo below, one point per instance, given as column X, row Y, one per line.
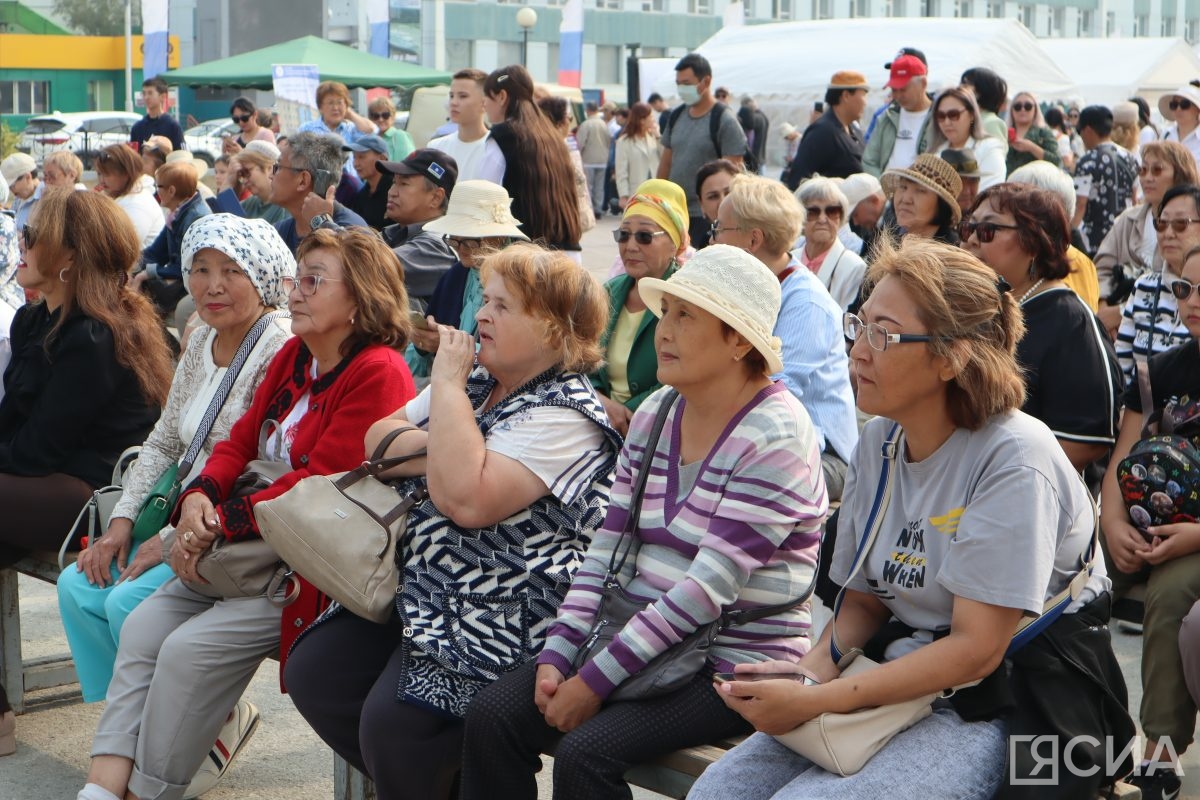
column 951, row 114
column 240, row 119
column 1176, row 105
column 1183, row 289
column 277, row 166
column 463, row 243
column 29, row 235
column 1156, row 170
column 641, row 237
column 985, row 231
column 1022, row 106
column 1178, row 225
column 381, row 115
column 813, row 212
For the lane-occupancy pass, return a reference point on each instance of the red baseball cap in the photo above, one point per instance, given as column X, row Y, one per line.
column 904, row 69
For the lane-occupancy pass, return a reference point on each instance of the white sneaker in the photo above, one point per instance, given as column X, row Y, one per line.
column 238, row 729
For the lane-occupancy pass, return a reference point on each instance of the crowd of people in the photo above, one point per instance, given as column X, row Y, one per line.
column 956, row 322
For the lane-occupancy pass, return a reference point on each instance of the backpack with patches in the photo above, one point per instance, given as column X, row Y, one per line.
column 749, row 160
column 1160, row 478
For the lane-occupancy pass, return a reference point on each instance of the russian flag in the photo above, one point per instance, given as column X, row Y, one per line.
column 156, row 42
column 379, row 22
column 570, row 44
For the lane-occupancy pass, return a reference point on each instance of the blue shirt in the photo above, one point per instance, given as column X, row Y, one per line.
column 343, row 216
column 23, row 208
column 815, row 366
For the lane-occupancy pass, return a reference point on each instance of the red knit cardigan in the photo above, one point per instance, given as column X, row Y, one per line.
column 344, row 402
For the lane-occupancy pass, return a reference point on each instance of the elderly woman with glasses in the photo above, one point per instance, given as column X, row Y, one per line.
column 701, row 543
column 652, row 236
column 992, row 521
column 189, row 650
column 820, row 248
column 1034, row 141
column 1072, row 382
column 1150, row 318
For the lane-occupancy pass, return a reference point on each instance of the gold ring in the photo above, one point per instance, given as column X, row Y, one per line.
column 187, row 537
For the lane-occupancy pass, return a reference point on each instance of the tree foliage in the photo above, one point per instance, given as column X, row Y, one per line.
column 97, row 17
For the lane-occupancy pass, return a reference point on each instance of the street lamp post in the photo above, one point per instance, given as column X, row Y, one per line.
column 526, row 18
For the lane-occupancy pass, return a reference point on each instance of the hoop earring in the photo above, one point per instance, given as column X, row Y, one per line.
column 60, row 274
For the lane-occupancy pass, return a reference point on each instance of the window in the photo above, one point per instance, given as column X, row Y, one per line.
column 608, row 64
column 1028, row 15
column 1193, row 30
column 860, row 8
column 1058, row 22
column 654, row 5
column 552, row 54
column 699, row 6
column 824, row 9
column 614, row 5
column 995, row 10
column 508, row 53
column 100, row 95
column 963, row 9
column 1168, row 26
column 1110, row 23
column 895, row 8
column 24, row 97
column 785, row 9
column 460, row 54
column 1085, row 23
column 653, row 52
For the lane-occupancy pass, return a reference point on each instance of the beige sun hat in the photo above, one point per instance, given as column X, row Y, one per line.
column 1187, row 92
column 199, row 164
column 477, row 210
column 733, row 286
column 934, row 174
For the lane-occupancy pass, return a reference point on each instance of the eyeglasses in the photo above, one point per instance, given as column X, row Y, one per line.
column 951, row 114
column 1178, row 225
column 462, row 243
column 241, row 119
column 877, row 335
column 1176, row 105
column 308, row 283
column 162, row 187
column 277, row 166
column 641, row 237
column 1183, row 289
column 813, row 212
column 29, row 235
column 1155, row 170
column 381, row 115
column 985, row 231
column 1022, row 106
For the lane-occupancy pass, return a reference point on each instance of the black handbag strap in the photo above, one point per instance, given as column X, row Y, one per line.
column 1147, row 396
column 222, row 394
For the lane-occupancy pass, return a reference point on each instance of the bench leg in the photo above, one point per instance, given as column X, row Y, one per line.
column 349, row 783
column 12, row 670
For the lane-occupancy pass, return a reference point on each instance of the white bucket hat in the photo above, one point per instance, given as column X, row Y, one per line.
column 1188, row 92
column 477, row 210
column 733, row 286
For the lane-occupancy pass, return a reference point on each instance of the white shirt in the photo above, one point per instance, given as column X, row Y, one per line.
column 904, row 152
column 477, row 160
column 1191, row 141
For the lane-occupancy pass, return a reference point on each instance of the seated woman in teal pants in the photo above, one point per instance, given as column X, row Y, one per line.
column 234, row 269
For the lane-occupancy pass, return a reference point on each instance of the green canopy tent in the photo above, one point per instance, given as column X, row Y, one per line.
column 355, row 68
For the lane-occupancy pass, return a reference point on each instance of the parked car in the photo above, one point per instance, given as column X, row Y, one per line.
column 204, row 140
column 84, row 133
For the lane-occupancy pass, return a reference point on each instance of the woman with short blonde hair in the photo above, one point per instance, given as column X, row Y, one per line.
column 63, row 168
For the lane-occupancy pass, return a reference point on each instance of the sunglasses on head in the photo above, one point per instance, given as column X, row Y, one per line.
column 381, row 115
column 240, row 118
column 1178, row 225
column 1176, row 105
column 984, row 231
column 1183, row 289
column 641, row 237
column 951, row 114
column 1155, row 170
column 1022, row 106
column 830, row 211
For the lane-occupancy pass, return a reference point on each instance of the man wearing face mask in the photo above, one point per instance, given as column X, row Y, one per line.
column 694, row 136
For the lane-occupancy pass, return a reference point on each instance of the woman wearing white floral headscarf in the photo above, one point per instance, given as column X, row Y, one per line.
column 234, row 269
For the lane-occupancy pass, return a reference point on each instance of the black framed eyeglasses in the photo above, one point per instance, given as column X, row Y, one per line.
column 877, row 335
column 308, row 283
column 1182, row 289
column 641, row 237
column 984, row 231
column 240, row 119
column 1178, row 225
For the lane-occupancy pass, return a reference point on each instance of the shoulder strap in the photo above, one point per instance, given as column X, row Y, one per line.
column 639, row 486
column 222, row 394
column 714, row 126
column 675, row 113
column 1147, row 396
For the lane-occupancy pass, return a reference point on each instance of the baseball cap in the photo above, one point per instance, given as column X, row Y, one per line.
column 16, row 165
column 904, row 69
column 909, row 51
column 438, row 167
column 859, row 187
column 365, row 143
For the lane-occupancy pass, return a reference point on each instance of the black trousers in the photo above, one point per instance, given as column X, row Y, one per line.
column 506, row 732
column 343, row 678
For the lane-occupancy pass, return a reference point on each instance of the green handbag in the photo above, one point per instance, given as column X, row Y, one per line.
column 156, row 509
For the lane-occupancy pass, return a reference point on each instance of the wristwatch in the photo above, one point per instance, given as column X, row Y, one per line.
column 321, row 221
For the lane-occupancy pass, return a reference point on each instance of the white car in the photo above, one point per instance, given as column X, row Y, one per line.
column 84, row 133
column 204, row 140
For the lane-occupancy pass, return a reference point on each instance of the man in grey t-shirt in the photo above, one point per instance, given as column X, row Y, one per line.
column 688, row 141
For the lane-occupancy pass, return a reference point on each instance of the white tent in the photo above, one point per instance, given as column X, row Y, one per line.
column 786, row 66
column 1107, row 71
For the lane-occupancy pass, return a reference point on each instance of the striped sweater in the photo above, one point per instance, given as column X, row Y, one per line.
column 1150, row 321
column 745, row 536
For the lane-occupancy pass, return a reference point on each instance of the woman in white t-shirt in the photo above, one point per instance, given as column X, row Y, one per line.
column 120, row 172
column 986, row 520
column 958, row 125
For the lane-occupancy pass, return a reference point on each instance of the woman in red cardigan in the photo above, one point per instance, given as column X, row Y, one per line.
column 186, row 657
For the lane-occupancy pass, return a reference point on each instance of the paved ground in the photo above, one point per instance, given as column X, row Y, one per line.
column 285, row 759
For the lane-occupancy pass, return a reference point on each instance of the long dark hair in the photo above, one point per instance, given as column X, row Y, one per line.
column 545, row 180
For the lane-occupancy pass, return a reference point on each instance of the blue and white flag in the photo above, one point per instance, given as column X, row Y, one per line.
column 156, row 42
column 570, row 44
column 379, row 21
